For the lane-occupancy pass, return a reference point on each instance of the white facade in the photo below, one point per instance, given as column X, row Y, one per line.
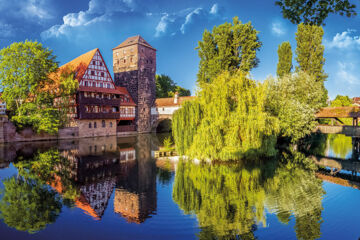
column 164, row 110
column 2, row 108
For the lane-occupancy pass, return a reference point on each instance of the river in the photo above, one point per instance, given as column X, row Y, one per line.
column 114, row 188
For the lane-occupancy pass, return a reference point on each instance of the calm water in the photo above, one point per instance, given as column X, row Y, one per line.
column 113, row 188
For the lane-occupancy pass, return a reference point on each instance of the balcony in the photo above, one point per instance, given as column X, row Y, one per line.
column 126, row 128
column 99, row 101
column 100, row 115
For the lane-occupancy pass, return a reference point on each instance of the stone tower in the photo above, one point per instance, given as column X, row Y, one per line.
column 134, row 63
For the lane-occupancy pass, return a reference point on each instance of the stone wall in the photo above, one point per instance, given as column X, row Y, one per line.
column 87, row 128
column 134, row 68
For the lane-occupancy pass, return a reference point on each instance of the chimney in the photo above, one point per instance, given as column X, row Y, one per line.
column 176, row 97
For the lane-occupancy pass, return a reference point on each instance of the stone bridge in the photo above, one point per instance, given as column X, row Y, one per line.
column 162, row 112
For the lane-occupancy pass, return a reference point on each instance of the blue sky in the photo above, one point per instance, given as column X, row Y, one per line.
column 174, row 28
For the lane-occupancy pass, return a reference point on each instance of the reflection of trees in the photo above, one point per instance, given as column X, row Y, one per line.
column 340, row 144
column 229, row 201
column 294, row 190
column 28, row 205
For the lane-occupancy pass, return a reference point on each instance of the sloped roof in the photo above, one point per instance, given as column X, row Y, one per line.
column 134, row 40
column 169, row 102
column 339, row 112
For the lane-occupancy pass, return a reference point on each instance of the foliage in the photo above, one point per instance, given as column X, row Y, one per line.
column 24, row 69
column 168, row 144
column 284, row 65
column 310, row 53
column 229, row 47
column 314, row 12
column 341, row 101
column 185, row 122
column 229, row 200
column 294, row 100
column 28, row 205
column 166, row 87
column 228, row 124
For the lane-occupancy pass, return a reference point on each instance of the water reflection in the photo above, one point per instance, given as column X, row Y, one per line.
column 230, row 200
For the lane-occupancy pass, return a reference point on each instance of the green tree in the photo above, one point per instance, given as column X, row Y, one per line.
column 28, row 205
column 24, row 69
column 341, row 101
column 294, row 99
column 228, row 124
column 285, row 59
column 166, row 87
column 314, row 12
column 229, row 47
column 310, row 53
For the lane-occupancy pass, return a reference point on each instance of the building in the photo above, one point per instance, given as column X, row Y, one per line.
column 134, row 64
column 99, row 108
column 167, row 106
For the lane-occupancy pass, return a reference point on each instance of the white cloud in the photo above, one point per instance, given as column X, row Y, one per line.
column 214, row 9
column 99, row 10
column 179, row 21
column 189, row 17
column 344, row 40
column 346, row 73
column 31, row 10
column 277, row 29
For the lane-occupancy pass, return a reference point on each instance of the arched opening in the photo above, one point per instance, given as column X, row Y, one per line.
column 164, row 126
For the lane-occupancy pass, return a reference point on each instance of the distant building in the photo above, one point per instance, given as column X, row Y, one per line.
column 356, row 101
column 167, row 106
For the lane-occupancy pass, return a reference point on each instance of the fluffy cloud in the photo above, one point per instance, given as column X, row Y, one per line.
column 346, row 73
column 344, row 40
column 277, row 29
column 179, row 21
column 98, row 11
column 31, row 10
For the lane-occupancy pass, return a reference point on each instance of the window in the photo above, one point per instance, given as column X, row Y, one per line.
column 89, row 124
column 101, row 84
column 108, row 85
column 102, row 74
column 94, row 124
column 111, row 127
column 103, row 123
column 86, row 83
column 124, row 60
column 100, row 63
column 92, row 73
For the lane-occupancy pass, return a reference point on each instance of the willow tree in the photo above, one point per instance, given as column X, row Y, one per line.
column 234, row 123
column 310, row 53
column 229, row 47
column 284, row 65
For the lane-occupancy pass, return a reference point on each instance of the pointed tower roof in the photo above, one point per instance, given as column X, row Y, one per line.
column 134, row 40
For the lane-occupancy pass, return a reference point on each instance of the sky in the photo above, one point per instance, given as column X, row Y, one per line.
column 73, row 27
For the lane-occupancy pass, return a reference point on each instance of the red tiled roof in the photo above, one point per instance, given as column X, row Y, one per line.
column 134, row 40
column 168, row 102
column 339, row 112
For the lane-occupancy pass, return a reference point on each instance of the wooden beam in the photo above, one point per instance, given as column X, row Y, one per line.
column 338, row 120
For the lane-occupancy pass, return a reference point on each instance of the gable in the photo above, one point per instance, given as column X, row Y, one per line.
column 97, row 73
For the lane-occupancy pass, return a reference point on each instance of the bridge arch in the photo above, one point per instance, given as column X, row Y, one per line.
column 162, row 124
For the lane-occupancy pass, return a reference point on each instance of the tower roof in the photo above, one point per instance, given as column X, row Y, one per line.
column 134, row 40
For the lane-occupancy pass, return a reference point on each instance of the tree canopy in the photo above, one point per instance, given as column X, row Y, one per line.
column 284, row 65
column 314, row 12
column 341, row 101
column 166, row 87
column 229, row 47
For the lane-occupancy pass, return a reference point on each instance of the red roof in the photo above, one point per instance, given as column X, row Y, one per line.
column 168, row 102
column 134, row 40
